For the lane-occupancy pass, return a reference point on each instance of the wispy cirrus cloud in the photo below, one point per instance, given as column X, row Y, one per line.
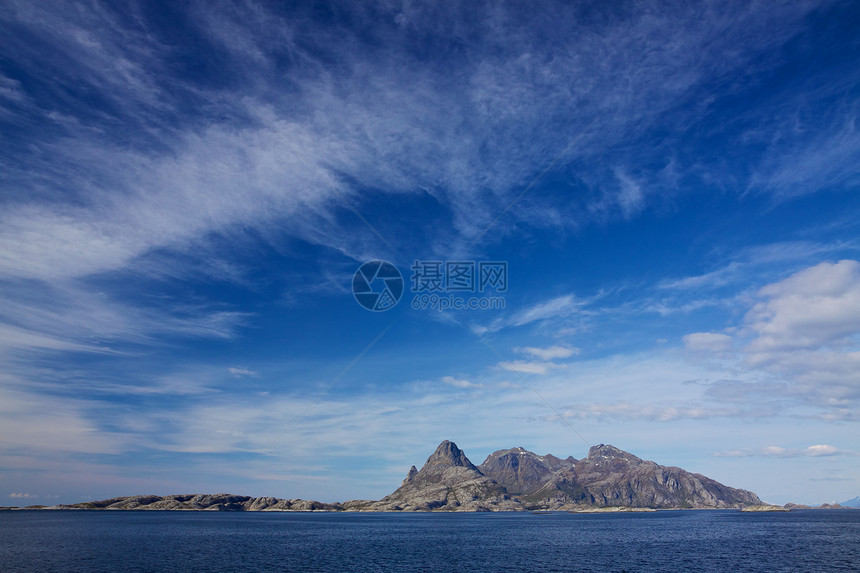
column 553, row 308
column 827, row 159
column 241, row 371
column 34, row 423
column 549, row 353
column 528, row 366
column 817, row 450
column 670, row 412
column 385, row 125
column 759, row 261
column 102, row 206
column 460, row 382
column 72, row 316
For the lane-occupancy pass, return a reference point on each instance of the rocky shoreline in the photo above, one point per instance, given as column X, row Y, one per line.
column 766, row 508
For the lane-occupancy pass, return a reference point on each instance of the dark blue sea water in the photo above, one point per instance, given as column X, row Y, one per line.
column 201, row 541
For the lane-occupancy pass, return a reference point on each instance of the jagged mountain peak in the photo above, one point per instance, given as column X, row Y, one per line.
column 413, row 471
column 521, row 451
column 520, row 470
column 611, row 452
column 447, row 480
column 448, row 454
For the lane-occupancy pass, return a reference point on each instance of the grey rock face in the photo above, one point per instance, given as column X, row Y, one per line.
column 520, row 471
column 447, row 481
column 412, row 471
column 205, row 502
column 521, row 480
column 448, row 454
column 610, row 477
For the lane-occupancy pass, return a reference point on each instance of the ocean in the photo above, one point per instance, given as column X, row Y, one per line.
column 707, row 541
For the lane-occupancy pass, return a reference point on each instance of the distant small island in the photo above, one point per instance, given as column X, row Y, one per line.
column 607, row 480
column 765, row 508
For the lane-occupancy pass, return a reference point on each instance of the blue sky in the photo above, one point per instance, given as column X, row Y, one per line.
column 187, row 191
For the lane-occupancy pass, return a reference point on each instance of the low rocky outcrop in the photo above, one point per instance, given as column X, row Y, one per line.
column 615, row 509
column 204, row 502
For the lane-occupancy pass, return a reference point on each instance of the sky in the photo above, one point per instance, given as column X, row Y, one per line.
column 669, row 191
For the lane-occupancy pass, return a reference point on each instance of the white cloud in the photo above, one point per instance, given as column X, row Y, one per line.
column 661, row 411
column 15, row 337
column 527, row 367
column 808, row 159
column 711, row 279
column 101, row 207
column 801, row 335
column 754, row 263
column 781, row 452
column 550, row 353
column 812, row 308
column 11, row 89
column 240, row 371
column 805, row 329
column 384, row 122
column 23, row 495
column 143, row 203
column 71, row 316
column 707, row 342
column 630, row 197
column 35, row 422
column 554, row 308
column 460, row 382
column 822, row 450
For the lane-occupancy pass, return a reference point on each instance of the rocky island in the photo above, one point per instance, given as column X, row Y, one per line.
column 517, row 479
column 766, row 507
column 608, row 479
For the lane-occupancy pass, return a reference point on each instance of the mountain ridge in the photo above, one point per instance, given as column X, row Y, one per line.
column 513, row 479
column 852, row 503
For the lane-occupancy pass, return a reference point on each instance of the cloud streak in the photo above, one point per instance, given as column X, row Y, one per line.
column 818, row 450
column 385, row 124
